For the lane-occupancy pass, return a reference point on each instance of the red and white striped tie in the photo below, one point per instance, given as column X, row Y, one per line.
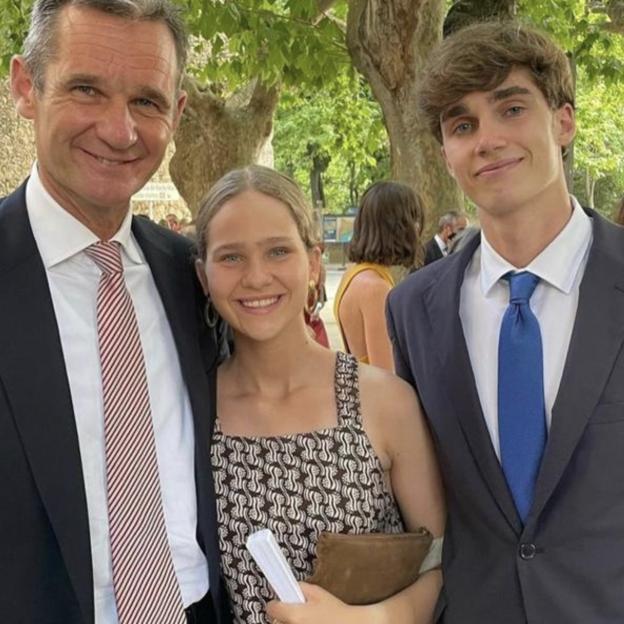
column 144, row 580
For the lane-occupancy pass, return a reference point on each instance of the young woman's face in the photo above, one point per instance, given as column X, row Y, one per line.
column 257, row 268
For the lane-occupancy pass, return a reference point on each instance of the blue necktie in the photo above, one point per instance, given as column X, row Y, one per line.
column 521, row 409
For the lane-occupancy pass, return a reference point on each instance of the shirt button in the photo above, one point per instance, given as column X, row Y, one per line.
column 527, row 551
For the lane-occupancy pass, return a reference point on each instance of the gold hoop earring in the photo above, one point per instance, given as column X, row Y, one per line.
column 211, row 316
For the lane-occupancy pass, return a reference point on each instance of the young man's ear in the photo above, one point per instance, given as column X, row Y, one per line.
column 201, row 275
column 565, row 118
column 22, row 88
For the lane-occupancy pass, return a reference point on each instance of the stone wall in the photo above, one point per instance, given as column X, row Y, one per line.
column 16, row 143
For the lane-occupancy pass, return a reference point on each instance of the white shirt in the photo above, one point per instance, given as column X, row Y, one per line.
column 73, row 279
column 484, row 297
column 441, row 244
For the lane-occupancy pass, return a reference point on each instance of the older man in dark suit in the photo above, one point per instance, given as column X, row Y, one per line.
column 105, row 372
column 525, row 394
column 451, row 223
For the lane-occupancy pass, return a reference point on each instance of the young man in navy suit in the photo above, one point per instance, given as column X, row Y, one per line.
column 101, row 82
column 525, row 395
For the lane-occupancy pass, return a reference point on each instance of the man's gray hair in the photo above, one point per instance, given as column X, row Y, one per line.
column 449, row 218
column 40, row 43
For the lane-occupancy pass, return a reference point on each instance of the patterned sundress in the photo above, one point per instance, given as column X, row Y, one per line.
column 297, row 485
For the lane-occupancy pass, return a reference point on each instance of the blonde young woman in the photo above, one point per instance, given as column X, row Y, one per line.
column 306, row 440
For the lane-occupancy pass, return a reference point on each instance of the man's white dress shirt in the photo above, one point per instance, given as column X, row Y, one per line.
column 441, row 244
column 484, row 297
column 73, row 279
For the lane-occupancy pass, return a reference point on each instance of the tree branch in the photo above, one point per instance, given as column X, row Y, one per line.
column 264, row 98
column 325, row 5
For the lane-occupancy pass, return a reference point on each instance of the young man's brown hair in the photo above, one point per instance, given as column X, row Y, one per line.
column 481, row 56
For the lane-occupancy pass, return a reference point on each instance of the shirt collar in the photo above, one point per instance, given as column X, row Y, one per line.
column 441, row 243
column 557, row 264
column 59, row 235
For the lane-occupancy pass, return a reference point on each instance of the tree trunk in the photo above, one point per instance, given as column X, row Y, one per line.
column 466, row 12
column 590, row 189
column 217, row 135
column 319, row 166
column 354, row 196
column 615, row 11
column 389, row 41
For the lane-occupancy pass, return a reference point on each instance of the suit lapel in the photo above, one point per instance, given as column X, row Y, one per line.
column 442, row 302
column 32, row 371
column 596, row 340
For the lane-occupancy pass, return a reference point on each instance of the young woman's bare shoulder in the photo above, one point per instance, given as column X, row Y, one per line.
column 384, row 393
column 369, row 283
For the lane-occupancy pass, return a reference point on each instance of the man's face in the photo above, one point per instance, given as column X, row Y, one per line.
column 107, row 111
column 504, row 146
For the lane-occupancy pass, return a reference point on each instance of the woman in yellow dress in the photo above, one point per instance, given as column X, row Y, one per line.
column 385, row 246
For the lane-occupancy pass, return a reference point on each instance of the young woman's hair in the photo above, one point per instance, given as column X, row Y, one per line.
column 263, row 180
column 388, row 226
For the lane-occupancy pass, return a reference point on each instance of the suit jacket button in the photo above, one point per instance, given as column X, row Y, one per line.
column 527, row 551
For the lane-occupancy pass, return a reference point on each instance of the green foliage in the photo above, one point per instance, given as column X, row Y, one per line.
column 342, row 124
column 14, row 18
column 581, row 31
column 580, row 28
column 284, row 41
column 600, row 141
column 328, row 112
column 599, row 146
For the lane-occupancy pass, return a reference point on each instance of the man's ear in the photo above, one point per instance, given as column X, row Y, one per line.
column 201, row 275
column 23, row 88
column 179, row 108
column 565, row 118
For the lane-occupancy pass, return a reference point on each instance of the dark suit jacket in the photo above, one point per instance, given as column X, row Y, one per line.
column 432, row 251
column 566, row 565
column 45, row 559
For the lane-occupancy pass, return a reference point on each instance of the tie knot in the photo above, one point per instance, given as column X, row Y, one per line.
column 521, row 286
column 107, row 256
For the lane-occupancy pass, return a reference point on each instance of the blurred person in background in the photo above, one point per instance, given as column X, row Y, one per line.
column 451, row 223
column 385, row 246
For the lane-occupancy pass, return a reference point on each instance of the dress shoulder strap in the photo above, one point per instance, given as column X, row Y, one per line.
column 347, row 390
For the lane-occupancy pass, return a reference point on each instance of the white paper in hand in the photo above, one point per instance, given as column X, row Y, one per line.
column 270, row 559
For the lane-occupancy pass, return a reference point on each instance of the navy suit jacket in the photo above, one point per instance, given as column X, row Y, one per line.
column 432, row 251
column 566, row 564
column 45, row 558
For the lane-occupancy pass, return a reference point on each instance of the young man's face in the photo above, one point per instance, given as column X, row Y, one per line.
column 504, row 146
